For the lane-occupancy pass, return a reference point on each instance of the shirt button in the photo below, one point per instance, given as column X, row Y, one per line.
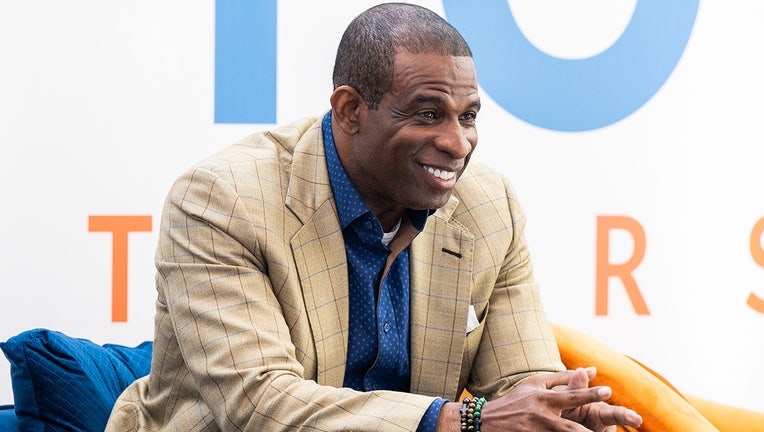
column 368, row 225
column 386, row 327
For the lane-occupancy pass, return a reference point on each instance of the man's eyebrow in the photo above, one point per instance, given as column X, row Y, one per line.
column 429, row 99
column 425, row 99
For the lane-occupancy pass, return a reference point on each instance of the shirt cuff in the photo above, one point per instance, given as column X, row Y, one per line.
column 430, row 419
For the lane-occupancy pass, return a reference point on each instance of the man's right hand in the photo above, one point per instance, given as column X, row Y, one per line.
column 550, row 402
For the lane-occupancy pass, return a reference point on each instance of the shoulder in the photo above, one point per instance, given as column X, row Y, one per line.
column 482, row 186
column 263, row 159
column 487, row 201
column 254, row 170
column 278, row 145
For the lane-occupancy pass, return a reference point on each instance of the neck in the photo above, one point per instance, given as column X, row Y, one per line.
column 388, row 218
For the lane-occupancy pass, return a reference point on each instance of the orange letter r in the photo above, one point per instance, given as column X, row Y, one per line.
column 623, row 271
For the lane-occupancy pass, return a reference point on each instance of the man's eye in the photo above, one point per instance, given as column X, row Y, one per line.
column 432, row 115
column 469, row 117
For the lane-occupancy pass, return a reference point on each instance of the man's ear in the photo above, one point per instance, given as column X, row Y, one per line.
column 347, row 106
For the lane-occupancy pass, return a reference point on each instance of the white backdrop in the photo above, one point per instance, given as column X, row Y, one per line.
column 103, row 103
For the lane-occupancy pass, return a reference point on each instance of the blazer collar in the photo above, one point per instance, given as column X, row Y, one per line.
column 319, row 252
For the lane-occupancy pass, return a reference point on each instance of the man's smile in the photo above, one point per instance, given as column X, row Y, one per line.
column 440, row 173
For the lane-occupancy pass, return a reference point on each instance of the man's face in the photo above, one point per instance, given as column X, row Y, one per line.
column 409, row 152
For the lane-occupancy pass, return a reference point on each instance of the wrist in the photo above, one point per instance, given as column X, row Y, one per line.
column 471, row 414
column 449, row 418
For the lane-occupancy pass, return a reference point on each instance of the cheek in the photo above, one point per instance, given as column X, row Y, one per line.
column 472, row 137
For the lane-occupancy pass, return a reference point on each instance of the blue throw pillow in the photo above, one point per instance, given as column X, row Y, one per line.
column 62, row 383
column 8, row 421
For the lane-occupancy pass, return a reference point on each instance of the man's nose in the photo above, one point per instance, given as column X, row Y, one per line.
column 453, row 139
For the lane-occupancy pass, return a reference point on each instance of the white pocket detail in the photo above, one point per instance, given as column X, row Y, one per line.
column 472, row 320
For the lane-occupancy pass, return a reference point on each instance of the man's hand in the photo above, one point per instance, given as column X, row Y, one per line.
column 557, row 402
column 598, row 416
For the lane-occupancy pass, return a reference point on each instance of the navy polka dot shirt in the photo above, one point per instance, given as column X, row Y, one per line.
column 378, row 342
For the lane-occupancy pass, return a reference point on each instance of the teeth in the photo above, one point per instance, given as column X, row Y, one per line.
column 441, row 174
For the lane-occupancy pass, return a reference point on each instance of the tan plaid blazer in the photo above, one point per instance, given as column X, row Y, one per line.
column 251, row 326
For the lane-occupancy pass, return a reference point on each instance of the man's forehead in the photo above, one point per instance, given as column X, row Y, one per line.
column 458, row 68
column 402, row 52
column 425, row 74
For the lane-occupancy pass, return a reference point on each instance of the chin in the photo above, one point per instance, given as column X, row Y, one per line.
column 435, row 202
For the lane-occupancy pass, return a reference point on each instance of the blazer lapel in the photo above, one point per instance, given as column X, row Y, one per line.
column 441, row 273
column 319, row 252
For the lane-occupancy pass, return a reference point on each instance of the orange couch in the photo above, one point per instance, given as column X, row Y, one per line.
column 662, row 407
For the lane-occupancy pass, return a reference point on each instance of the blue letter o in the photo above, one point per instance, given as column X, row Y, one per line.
column 581, row 94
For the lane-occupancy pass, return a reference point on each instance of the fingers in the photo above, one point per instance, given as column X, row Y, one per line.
column 556, row 379
column 576, row 393
column 591, row 372
column 616, row 415
column 580, row 378
column 606, row 414
column 575, row 398
column 531, row 408
column 560, row 401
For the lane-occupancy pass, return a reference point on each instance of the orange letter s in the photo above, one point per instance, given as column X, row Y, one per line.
column 757, row 252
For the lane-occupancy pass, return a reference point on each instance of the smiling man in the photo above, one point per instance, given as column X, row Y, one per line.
column 409, row 150
column 354, row 271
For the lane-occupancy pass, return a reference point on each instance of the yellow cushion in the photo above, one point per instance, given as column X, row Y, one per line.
column 662, row 408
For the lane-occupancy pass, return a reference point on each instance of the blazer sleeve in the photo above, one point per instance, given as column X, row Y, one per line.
column 237, row 366
column 517, row 340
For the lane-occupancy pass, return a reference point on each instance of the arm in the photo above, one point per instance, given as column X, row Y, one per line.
column 517, row 366
column 226, row 278
column 517, row 340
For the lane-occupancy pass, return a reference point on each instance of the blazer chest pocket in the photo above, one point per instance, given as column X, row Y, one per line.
column 475, row 326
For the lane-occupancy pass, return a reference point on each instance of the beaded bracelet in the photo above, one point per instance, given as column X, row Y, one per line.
column 470, row 412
